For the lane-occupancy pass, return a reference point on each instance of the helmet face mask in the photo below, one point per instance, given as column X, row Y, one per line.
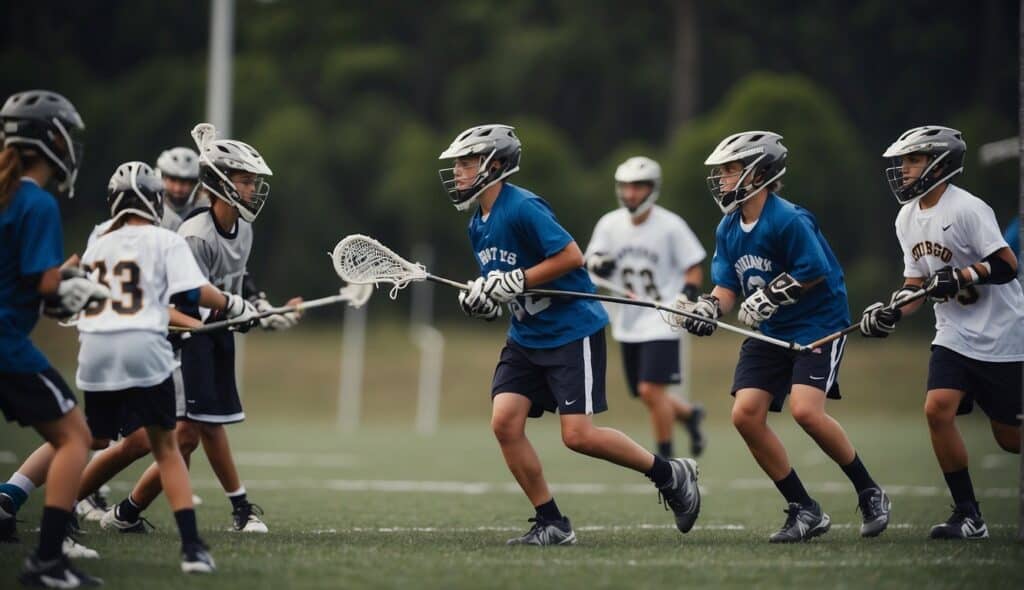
column 135, row 189
column 498, row 150
column 45, row 124
column 638, row 170
column 944, row 149
column 762, row 158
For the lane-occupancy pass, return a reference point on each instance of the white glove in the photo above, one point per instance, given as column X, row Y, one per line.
column 706, row 306
column 879, row 320
column 682, row 303
column 504, row 286
column 756, row 309
column 238, row 308
column 280, row 321
column 74, row 292
column 477, row 305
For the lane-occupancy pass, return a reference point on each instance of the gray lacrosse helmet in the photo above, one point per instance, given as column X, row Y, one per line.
column 44, row 122
column 764, row 161
column 639, row 169
column 135, row 189
column 179, row 162
column 491, row 143
column 945, row 148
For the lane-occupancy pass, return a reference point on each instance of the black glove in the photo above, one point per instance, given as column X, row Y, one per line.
column 879, row 320
column 706, row 306
column 601, row 264
column 944, row 284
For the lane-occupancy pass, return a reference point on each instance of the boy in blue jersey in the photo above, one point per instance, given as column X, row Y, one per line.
column 771, row 252
column 38, row 130
column 554, row 358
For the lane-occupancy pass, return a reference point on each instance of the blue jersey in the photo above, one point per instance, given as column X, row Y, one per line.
column 785, row 238
column 520, row 232
column 30, row 243
column 1013, row 236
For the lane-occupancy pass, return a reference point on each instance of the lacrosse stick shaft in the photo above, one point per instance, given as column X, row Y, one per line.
column 213, row 327
column 921, row 293
column 609, row 286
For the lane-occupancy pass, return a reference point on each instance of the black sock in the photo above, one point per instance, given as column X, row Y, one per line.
column 660, row 473
column 127, row 510
column 549, row 511
column 239, row 500
column 793, row 489
column 187, row 528
column 665, row 450
column 52, row 529
column 858, row 475
column 960, row 486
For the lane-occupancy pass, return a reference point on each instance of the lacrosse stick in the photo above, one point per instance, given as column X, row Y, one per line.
column 362, row 259
column 610, row 286
column 355, row 295
column 919, row 294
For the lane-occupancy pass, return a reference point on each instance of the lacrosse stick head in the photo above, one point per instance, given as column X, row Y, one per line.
column 363, row 260
column 356, row 294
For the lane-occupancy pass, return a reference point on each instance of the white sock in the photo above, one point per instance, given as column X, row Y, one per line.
column 21, row 482
column 240, row 491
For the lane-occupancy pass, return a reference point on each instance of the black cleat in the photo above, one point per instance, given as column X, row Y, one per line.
column 547, row 532
column 56, row 573
column 196, row 559
column 8, row 524
column 803, row 523
column 698, row 440
column 247, row 518
column 875, row 506
column 682, row 494
column 964, row 523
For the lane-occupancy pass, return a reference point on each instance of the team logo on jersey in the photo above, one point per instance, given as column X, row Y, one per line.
column 488, row 255
column 638, row 251
column 935, row 249
column 757, row 264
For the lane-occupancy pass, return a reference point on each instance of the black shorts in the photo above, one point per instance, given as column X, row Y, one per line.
column 119, row 413
column 34, row 398
column 208, row 374
column 656, row 361
column 775, row 369
column 994, row 386
column 568, row 379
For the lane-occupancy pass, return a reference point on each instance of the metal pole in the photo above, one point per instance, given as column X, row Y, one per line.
column 350, row 390
column 430, row 342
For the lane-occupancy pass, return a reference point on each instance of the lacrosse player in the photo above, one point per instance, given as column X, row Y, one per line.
column 220, row 237
column 40, row 145
column 650, row 252
column 554, row 358
column 953, row 249
column 179, row 171
column 771, row 252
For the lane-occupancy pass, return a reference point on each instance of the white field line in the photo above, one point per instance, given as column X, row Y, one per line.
column 8, row 457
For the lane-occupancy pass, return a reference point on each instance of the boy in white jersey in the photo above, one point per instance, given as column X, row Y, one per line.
column 652, row 253
column 952, row 247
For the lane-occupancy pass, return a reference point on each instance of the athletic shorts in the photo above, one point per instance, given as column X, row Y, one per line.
column 119, row 413
column 568, row 379
column 994, row 386
column 776, row 369
column 34, row 398
column 655, row 361
column 208, row 374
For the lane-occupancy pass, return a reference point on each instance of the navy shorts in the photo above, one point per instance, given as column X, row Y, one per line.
column 208, row 374
column 34, row 398
column 775, row 369
column 568, row 379
column 994, row 386
column 656, row 361
column 119, row 413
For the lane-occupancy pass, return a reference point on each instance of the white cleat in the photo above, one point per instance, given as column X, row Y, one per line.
column 75, row 550
column 247, row 519
column 196, row 559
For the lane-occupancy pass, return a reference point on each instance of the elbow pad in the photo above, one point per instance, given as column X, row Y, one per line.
column 999, row 271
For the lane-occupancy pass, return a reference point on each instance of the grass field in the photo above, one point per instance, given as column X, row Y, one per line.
column 385, row 508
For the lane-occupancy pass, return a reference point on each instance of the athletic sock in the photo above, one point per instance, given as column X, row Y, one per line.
column 128, row 510
column 961, row 488
column 17, row 489
column 660, row 473
column 238, row 498
column 858, row 475
column 793, row 489
column 665, row 450
column 52, row 529
column 187, row 527
column 549, row 511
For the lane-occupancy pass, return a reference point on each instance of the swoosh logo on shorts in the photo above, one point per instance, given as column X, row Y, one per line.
column 572, row 402
column 816, row 378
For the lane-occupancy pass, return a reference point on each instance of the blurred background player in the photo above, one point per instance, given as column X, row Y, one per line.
column 651, row 253
column 554, row 358
column 179, row 171
column 952, row 247
column 39, row 131
column 772, row 252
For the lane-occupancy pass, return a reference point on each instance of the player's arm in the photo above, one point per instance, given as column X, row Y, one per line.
column 210, row 297
column 562, row 263
column 878, row 320
column 693, row 279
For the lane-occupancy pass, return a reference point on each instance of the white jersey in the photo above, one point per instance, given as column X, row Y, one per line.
column 650, row 260
column 170, row 221
column 983, row 322
column 123, row 342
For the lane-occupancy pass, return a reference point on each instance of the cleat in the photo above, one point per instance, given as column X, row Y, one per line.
column 964, row 523
column 546, row 532
column 682, row 495
column 196, row 500
column 803, row 523
column 72, row 549
column 56, row 573
column 196, row 559
column 92, row 507
column 698, row 440
column 247, row 518
column 8, row 524
column 111, row 520
column 875, row 505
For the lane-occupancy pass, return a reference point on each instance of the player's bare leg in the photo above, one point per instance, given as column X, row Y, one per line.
column 1007, row 436
column 112, row 461
column 663, row 409
column 581, row 435
column 940, row 408
column 71, row 440
column 807, row 405
column 750, row 417
column 509, row 412
column 218, row 451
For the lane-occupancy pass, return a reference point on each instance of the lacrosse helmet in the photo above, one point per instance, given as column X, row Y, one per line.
column 218, row 158
column 44, row 123
column 638, row 169
column 135, row 189
column 945, row 149
column 179, row 162
column 492, row 143
column 763, row 158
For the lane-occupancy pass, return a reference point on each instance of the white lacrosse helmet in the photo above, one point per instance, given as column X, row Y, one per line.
column 135, row 189
column 764, row 161
column 639, row 169
column 220, row 157
column 490, row 142
column 945, row 149
column 179, row 162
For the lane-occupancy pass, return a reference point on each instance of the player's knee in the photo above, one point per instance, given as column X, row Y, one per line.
column 577, row 439
column 1007, row 437
column 746, row 419
column 648, row 393
column 807, row 416
column 134, row 446
column 98, row 444
column 506, row 429
column 188, row 440
column 939, row 413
